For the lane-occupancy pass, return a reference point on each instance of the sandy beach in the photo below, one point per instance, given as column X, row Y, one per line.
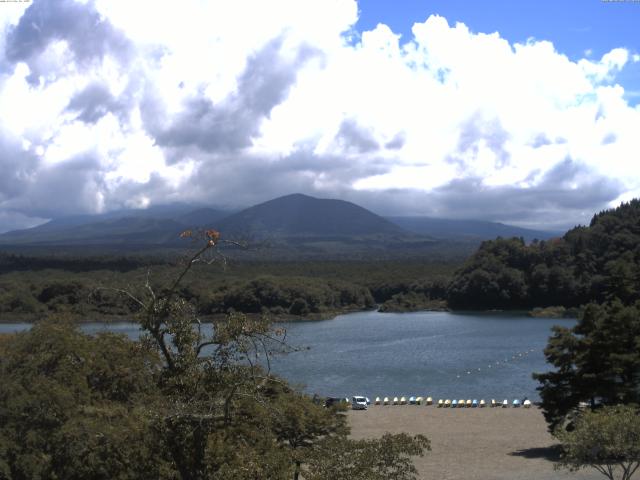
column 472, row 443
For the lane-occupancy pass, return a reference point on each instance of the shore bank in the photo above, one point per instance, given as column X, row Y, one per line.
column 472, row 443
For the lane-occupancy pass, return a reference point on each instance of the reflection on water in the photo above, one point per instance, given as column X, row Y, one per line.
column 439, row 354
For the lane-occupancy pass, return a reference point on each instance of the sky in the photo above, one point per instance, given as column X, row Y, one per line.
column 523, row 112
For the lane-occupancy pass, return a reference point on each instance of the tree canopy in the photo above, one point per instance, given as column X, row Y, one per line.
column 607, row 440
column 179, row 403
column 588, row 264
column 597, row 361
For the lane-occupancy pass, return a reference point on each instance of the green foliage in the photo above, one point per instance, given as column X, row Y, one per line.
column 607, row 440
column 596, row 263
column 597, row 361
column 281, row 289
column 179, row 403
column 72, row 406
column 386, row 458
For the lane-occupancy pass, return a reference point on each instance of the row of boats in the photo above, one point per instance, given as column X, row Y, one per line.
column 526, row 403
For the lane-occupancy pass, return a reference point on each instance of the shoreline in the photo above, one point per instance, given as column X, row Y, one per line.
column 9, row 318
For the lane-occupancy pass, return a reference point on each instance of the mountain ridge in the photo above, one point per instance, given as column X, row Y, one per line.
column 295, row 222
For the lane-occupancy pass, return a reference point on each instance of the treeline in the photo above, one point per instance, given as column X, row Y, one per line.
column 11, row 262
column 280, row 289
column 588, row 264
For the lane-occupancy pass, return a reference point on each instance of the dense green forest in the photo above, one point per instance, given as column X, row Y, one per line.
column 89, row 287
column 588, row 264
column 176, row 404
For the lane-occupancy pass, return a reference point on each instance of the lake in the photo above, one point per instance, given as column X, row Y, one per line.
column 437, row 354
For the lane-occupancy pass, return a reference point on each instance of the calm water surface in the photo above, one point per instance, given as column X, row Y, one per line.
column 439, row 354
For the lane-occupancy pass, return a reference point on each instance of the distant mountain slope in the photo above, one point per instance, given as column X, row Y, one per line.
column 470, row 229
column 157, row 225
column 301, row 215
column 119, row 231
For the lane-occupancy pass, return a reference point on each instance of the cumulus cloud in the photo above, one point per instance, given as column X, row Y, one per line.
column 103, row 108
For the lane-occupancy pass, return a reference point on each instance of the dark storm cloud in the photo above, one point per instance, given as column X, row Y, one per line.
column 232, row 124
column 475, row 130
column 563, row 194
column 352, row 137
column 397, row 142
column 17, row 167
column 92, row 103
column 61, row 189
column 246, row 180
column 87, row 34
column 566, row 195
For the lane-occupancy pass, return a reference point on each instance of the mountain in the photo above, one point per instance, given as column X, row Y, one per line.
column 292, row 226
column 467, row 229
column 158, row 225
column 301, row 215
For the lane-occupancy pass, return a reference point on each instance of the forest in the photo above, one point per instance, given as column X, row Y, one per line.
column 89, row 287
column 594, row 263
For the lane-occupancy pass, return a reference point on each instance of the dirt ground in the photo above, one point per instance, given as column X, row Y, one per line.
column 472, row 443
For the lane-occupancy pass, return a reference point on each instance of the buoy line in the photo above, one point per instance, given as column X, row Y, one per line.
column 498, row 363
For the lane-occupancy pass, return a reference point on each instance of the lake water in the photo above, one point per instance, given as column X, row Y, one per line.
column 438, row 354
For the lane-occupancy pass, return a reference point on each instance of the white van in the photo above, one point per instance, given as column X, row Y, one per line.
column 359, row 403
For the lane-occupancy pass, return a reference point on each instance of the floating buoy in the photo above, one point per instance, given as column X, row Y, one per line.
column 440, row 403
column 429, row 400
column 386, row 401
column 377, row 400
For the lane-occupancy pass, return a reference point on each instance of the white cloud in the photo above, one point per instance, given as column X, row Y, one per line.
column 164, row 96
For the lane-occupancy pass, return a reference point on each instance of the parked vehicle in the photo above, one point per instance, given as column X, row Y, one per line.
column 330, row 401
column 359, row 403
